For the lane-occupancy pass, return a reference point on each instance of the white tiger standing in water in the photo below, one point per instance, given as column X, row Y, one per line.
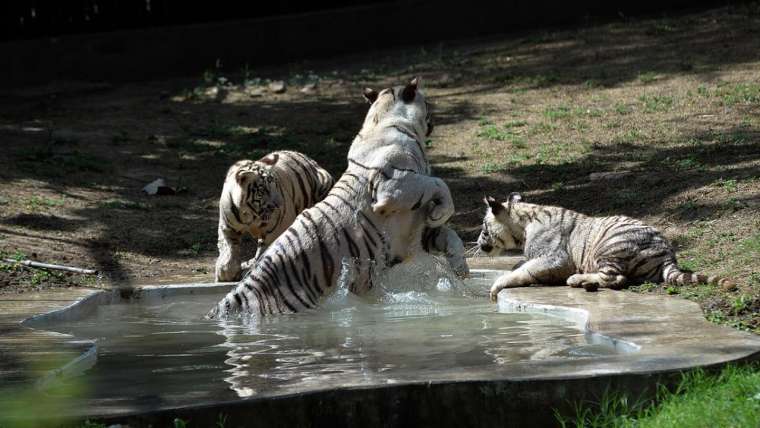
column 263, row 198
column 564, row 246
column 385, row 209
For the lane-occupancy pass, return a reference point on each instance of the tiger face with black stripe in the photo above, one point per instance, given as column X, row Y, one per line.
column 262, row 198
column 564, row 246
column 384, row 209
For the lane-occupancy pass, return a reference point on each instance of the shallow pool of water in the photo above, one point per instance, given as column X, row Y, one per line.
column 163, row 351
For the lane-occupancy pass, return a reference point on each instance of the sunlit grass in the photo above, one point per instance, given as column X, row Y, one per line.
column 730, row 398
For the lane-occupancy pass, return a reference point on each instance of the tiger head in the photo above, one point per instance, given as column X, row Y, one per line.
column 500, row 233
column 256, row 194
column 400, row 103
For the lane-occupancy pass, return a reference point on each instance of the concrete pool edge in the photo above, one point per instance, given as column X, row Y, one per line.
column 609, row 313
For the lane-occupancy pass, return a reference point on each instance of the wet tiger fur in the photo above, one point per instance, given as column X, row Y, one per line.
column 563, row 246
column 263, row 198
column 383, row 210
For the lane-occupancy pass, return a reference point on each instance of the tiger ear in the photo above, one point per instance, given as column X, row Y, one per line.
column 241, row 174
column 370, row 95
column 410, row 90
column 494, row 205
column 270, row 159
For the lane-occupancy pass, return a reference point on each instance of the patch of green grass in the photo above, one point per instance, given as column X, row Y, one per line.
column 579, row 126
column 621, row 108
column 542, row 128
column 740, row 304
column 645, row 287
column 684, row 164
column 751, row 244
column 656, row 103
column 687, row 206
column 26, row 405
column 647, row 77
column 528, row 82
column 18, row 255
column 558, row 112
column 515, row 124
column 492, row 132
column 492, row 167
column 630, row 136
column 754, row 279
column 555, row 153
column 35, row 203
column 730, row 398
column 123, row 204
column 688, row 265
column 729, row 185
column 11, row 266
column 740, row 93
column 589, row 112
column 41, row 276
column 737, row 137
column 484, row 121
column 733, row 204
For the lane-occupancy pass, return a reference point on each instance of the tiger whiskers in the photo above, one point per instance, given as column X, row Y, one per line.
column 472, row 251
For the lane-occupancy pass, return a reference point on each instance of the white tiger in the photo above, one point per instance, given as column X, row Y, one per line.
column 564, row 246
column 384, row 209
column 263, row 198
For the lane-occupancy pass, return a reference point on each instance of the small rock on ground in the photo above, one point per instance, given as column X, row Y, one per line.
column 309, row 88
column 278, row 86
column 158, row 187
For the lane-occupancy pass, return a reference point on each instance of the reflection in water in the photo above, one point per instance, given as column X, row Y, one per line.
column 167, row 353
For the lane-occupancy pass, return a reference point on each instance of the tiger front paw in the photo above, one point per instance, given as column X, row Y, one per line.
column 459, row 266
column 227, row 272
column 497, row 286
column 575, row 281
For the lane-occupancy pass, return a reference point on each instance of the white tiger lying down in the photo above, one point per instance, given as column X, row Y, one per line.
column 263, row 198
column 384, row 209
column 563, row 246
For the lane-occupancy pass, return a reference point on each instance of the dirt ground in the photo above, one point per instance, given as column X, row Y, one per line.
column 656, row 118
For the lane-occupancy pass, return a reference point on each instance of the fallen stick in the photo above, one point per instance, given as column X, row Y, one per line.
column 30, row 263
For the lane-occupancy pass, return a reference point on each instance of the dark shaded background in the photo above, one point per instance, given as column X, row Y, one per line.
column 122, row 40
